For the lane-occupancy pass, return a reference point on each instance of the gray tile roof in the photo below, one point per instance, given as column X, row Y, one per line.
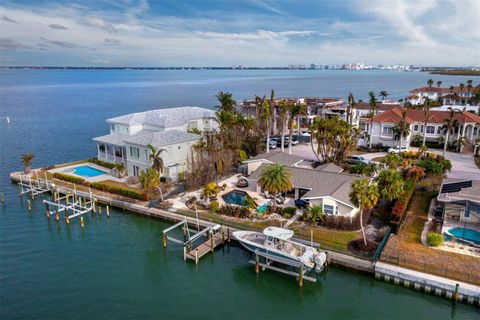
column 162, row 138
column 165, row 118
column 320, row 183
column 277, row 157
column 329, row 167
column 118, row 139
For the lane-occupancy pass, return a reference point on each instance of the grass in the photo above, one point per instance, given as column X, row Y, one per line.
column 405, row 248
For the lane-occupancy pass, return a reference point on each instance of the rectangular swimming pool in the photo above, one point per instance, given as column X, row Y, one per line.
column 86, row 171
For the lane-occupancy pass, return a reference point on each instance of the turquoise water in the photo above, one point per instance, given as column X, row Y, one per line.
column 466, row 234
column 116, row 268
column 236, row 197
column 86, row 171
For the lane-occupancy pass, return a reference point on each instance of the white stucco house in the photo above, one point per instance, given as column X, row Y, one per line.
column 455, row 96
column 173, row 129
column 382, row 129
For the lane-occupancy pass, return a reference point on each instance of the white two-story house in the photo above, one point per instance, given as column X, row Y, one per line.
column 455, row 96
column 173, row 129
column 383, row 124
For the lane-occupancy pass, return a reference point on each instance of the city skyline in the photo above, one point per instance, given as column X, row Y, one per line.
column 249, row 33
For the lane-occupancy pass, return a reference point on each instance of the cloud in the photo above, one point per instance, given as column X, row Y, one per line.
column 100, row 24
column 258, row 35
column 113, row 41
column 11, row 45
column 64, row 44
column 5, row 18
column 57, row 26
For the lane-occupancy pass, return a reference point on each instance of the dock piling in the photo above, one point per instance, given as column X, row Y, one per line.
column 164, row 240
column 67, row 219
column 81, row 222
column 211, row 240
column 300, row 277
column 29, row 205
column 196, row 256
column 455, row 294
column 184, row 253
column 57, row 217
column 3, row 198
column 108, row 212
column 257, row 262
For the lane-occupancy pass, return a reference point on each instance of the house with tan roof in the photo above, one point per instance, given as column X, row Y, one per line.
column 384, row 123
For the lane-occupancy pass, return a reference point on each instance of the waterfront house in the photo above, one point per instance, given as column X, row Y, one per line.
column 173, row 129
column 323, row 186
column 254, row 163
column 456, row 96
column 461, row 200
column 383, row 126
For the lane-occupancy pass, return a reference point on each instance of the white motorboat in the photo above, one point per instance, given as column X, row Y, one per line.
column 276, row 242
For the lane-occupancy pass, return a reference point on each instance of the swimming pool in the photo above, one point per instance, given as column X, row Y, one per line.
column 466, row 234
column 86, row 171
column 237, row 197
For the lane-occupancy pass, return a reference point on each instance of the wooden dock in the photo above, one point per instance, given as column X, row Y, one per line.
column 209, row 245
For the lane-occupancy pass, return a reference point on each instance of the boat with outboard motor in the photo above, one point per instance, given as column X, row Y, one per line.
column 277, row 242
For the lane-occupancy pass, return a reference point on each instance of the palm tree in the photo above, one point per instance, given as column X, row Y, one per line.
column 373, row 111
column 462, row 86
column 402, row 127
column 226, row 101
column 383, row 94
column 430, row 83
column 275, row 179
column 266, row 113
column 295, row 111
column 448, row 127
column 427, row 104
column 27, row 162
column 439, row 83
column 155, row 157
column 364, row 195
column 313, row 213
column 469, row 86
column 390, row 184
column 393, row 160
column 150, row 178
column 284, row 107
column 350, row 105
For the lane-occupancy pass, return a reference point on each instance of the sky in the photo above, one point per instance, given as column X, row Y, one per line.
column 229, row 32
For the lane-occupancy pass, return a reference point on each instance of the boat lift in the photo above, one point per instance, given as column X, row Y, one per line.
column 78, row 205
column 215, row 237
column 34, row 186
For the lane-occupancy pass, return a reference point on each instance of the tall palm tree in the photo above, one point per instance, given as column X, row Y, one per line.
column 439, row 83
column 226, row 101
column 295, row 111
column 266, row 112
column 383, row 94
column 448, row 127
column 156, row 158
column 469, row 86
column 27, row 162
column 275, row 179
column 373, row 111
column 402, row 127
column 390, row 184
column 427, row 104
column 149, row 179
column 350, row 105
column 284, row 107
column 430, row 83
column 462, row 86
column 364, row 195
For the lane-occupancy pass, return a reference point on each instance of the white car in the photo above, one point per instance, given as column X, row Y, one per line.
column 272, row 144
column 398, row 149
column 294, row 140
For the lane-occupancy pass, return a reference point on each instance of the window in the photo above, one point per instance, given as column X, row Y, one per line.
column 421, row 128
column 136, row 170
column 431, row 129
column 192, row 125
column 102, row 147
column 135, row 152
column 387, row 131
column 328, row 209
column 336, row 210
column 475, row 131
column 146, row 155
column 439, row 130
column 415, row 127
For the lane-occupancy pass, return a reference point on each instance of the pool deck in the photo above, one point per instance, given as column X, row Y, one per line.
column 102, row 177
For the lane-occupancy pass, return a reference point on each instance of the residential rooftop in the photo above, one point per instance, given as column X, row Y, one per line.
column 277, row 156
column 414, row 115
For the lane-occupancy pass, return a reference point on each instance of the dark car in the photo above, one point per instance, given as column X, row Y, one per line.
column 300, row 203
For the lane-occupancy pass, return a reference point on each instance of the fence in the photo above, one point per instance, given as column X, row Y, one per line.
column 440, row 269
column 378, row 252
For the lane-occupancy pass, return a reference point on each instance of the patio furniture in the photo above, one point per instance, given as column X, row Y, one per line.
column 280, row 200
column 242, row 183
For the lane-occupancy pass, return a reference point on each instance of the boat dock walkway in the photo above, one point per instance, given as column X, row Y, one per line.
column 208, row 246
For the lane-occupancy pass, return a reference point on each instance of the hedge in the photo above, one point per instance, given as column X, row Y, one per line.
column 68, row 178
column 400, row 207
column 288, row 212
column 434, row 239
column 118, row 190
column 102, row 163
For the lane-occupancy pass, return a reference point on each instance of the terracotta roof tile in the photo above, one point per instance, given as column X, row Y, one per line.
column 416, row 115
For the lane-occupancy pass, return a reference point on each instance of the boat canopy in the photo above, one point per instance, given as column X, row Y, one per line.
column 279, row 233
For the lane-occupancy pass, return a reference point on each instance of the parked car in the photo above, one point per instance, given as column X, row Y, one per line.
column 279, row 142
column 300, row 203
column 272, row 144
column 357, row 159
column 294, row 140
column 398, row 149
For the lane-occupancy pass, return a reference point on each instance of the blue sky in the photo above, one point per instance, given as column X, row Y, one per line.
column 228, row 32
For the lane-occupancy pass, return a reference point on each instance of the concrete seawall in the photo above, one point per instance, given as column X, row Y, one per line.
column 416, row 280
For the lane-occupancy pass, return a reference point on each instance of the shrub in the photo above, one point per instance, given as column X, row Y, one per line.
column 363, row 169
column 410, row 155
column 234, row 211
column 417, row 141
column 431, row 166
column 102, row 163
column 341, row 222
column 118, row 190
column 434, row 239
column 401, row 204
column 414, row 173
column 68, row 178
column 214, row 206
column 288, row 212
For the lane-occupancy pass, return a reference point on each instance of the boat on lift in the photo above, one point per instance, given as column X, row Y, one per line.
column 277, row 242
